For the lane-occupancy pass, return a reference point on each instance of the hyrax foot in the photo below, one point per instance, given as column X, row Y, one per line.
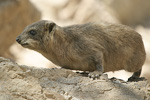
column 95, row 74
column 136, row 79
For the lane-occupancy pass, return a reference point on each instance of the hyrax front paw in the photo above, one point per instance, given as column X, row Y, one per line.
column 95, row 74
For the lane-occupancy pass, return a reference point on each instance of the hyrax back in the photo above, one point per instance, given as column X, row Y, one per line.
column 90, row 47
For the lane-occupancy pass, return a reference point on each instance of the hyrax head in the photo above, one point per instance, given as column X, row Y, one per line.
column 33, row 35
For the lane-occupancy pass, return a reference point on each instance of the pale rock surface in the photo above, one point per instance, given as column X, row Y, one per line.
column 18, row 82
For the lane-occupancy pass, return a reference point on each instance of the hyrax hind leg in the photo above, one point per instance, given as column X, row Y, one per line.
column 136, row 77
column 136, row 62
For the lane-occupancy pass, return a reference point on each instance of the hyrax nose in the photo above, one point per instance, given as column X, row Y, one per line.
column 18, row 40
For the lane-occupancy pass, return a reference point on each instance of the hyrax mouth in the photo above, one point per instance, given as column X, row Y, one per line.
column 20, row 42
column 24, row 44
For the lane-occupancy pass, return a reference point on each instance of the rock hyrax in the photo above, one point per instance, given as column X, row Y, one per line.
column 92, row 47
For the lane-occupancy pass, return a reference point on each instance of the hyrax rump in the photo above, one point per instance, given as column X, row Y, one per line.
column 90, row 47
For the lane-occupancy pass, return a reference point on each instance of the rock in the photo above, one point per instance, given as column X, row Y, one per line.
column 69, row 12
column 131, row 12
column 83, row 11
column 14, row 16
column 18, row 82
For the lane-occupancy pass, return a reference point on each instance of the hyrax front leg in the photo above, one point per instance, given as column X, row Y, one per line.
column 99, row 67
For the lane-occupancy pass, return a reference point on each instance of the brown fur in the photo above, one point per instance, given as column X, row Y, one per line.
column 90, row 47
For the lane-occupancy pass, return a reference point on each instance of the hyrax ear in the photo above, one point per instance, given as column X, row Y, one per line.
column 50, row 26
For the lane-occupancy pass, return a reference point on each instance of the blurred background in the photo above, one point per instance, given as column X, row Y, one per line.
column 16, row 14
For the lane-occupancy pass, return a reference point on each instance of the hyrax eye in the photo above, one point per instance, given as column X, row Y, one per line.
column 32, row 32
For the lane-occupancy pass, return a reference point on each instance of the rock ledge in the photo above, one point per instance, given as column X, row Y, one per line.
column 18, row 82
